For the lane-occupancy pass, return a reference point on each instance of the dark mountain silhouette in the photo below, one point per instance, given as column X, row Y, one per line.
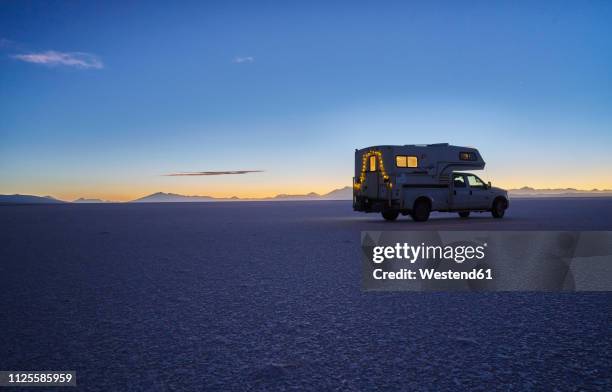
column 161, row 197
column 28, row 199
column 345, row 193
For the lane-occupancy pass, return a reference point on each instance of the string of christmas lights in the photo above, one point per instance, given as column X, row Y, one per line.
column 364, row 161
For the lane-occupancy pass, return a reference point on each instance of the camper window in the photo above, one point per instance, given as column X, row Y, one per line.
column 406, row 161
column 467, row 156
column 372, row 163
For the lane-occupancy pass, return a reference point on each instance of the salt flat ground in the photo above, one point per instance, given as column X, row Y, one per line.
column 267, row 296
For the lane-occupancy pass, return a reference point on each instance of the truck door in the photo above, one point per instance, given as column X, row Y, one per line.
column 461, row 193
column 480, row 198
column 371, row 178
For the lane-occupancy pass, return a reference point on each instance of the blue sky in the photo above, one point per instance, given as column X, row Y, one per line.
column 103, row 99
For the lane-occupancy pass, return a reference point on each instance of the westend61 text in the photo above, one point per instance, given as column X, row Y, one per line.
column 431, row 274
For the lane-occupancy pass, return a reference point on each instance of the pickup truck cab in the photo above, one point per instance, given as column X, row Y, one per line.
column 417, row 179
column 470, row 193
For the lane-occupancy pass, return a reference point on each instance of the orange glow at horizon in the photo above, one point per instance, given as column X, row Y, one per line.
column 124, row 193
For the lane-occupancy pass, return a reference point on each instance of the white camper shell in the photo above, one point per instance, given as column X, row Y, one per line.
column 417, row 179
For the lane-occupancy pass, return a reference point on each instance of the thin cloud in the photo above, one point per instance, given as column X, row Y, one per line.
column 242, row 60
column 69, row 59
column 212, row 173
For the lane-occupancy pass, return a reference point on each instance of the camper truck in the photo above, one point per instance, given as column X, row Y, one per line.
column 417, row 179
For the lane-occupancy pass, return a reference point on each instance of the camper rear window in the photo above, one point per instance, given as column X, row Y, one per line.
column 467, row 156
column 406, row 161
column 372, row 163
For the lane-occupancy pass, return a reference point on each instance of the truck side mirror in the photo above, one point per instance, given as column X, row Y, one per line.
column 489, row 185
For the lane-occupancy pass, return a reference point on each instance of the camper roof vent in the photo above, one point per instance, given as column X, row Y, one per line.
column 438, row 145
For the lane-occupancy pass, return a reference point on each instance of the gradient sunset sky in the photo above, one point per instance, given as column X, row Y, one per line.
column 104, row 100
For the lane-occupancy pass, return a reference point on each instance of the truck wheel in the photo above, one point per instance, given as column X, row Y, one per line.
column 464, row 214
column 421, row 210
column 390, row 215
column 499, row 208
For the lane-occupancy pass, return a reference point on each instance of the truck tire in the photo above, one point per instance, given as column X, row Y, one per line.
column 499, row 208
column 421, row 210
column 390, row 215
column 464, row 214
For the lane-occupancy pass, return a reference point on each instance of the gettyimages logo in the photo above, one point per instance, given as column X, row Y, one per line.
column 412, row 254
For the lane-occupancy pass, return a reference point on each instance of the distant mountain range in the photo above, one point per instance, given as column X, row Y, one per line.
column 557, row 192
column 29, row 199
column 345, row 193
column 161, row 197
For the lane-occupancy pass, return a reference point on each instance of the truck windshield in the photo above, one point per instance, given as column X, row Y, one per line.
column 475, row 182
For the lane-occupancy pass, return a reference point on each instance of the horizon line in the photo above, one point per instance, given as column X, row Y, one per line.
column 287, row 195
